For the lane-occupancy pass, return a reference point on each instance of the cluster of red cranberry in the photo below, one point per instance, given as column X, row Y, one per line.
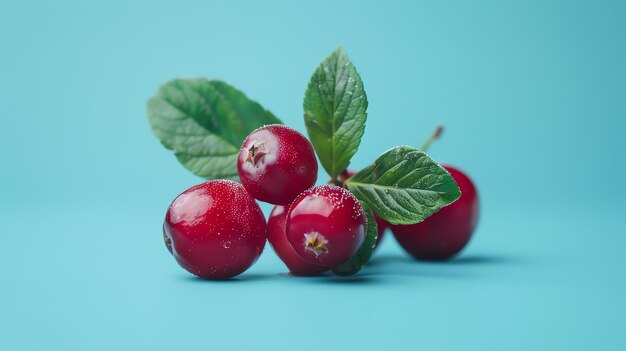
column 216, row 230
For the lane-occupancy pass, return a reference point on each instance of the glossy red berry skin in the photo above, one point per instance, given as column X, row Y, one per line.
column 326, row 225
column 381, row 224
column 445, row 233
column 277, row 236
column 215, row 230
column 276, row 163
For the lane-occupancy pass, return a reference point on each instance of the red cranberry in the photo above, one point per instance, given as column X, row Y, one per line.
column 446, row 232
column 326, row 225
column 215, row 230
column 276, row 163
column 381, row 224
column 277, row 236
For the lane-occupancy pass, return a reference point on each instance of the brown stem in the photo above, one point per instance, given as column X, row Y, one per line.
column 436, row 135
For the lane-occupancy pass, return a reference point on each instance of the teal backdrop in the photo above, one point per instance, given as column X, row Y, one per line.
column 533, row 97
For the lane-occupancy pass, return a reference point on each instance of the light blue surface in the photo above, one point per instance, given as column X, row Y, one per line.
column 533, row 98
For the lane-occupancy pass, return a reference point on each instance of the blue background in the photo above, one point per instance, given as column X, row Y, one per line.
column 533, row 97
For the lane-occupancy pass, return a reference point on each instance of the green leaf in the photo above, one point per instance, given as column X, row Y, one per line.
column 363, row 255
column 204, row 122
column 404, row 186
column 335, row 108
